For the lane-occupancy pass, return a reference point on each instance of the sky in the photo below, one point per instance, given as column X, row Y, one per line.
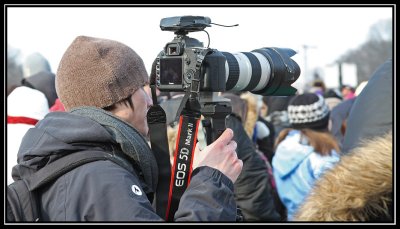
column 329, row 32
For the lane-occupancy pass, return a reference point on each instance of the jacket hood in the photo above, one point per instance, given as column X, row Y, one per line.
column 358, row 188
column 372, row 112
column 58, row 134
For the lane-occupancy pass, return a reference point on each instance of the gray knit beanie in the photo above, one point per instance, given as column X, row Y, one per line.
column 98, row 72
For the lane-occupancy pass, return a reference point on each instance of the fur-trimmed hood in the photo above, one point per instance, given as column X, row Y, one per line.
column 358, row 188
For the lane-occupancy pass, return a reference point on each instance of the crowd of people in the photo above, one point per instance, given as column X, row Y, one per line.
column 321, row 155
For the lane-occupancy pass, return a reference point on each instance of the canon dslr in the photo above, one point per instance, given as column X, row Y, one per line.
column 264, row 71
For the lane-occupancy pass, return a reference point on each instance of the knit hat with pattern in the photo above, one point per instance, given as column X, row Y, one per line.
column 308, row 110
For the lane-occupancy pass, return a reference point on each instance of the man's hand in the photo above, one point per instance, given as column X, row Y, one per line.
column 220, row 155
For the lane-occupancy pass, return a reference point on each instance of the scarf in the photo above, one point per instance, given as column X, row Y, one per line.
column 131, row 141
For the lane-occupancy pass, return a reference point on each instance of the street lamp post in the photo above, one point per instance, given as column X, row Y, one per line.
column 306, row 75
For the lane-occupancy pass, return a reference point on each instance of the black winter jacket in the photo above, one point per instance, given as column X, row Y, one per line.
column 103, row 190
column 253, row 190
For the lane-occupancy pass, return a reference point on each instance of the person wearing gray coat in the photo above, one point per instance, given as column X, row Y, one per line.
column 372, row 112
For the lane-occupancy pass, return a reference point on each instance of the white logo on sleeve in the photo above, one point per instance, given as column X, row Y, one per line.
column 136, row 190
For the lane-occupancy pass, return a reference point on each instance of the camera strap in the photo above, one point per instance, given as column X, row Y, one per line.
column 186, row 140
column 157, row 120
column 183, row 159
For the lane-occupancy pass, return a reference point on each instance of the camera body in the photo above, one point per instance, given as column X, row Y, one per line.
column 265, row 71
column 178, row 63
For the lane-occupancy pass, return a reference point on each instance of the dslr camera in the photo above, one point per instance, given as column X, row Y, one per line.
column 264, row 71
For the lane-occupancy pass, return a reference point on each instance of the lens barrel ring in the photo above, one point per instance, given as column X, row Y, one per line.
column 255, row 71
column 278, row 70
column 234, row 70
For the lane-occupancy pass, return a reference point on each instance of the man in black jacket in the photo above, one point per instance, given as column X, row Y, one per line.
column 100, row 82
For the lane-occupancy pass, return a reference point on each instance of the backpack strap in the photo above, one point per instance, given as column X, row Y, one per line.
column 65, row 164
column 21, row 203
column 25, row 190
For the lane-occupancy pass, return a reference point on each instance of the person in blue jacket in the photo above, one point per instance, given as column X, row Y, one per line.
column 360, row 186
column 100, row 82
column 305, row 151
